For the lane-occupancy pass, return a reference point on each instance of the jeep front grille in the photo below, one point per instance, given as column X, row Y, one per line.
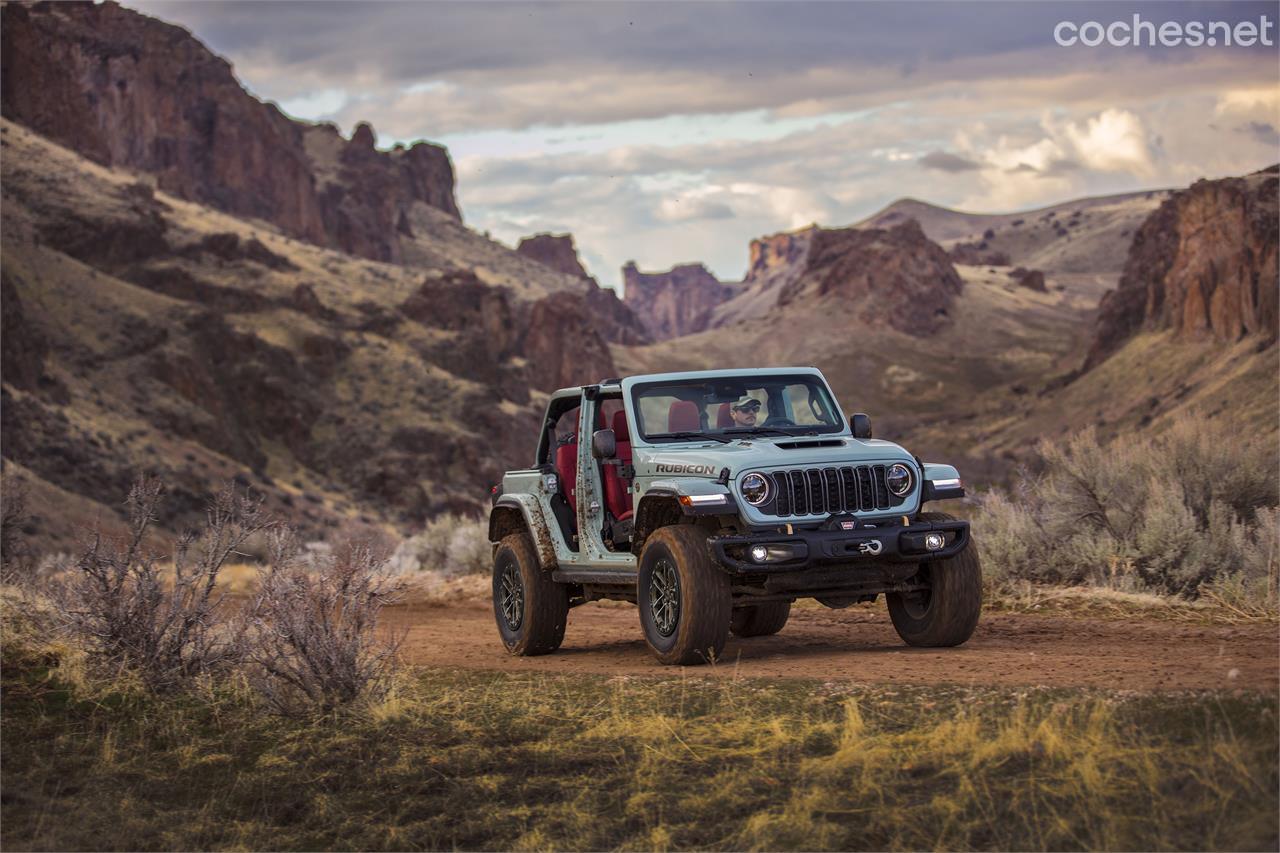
column 819, row 491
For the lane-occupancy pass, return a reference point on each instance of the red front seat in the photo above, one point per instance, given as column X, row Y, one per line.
column 616, row 495
column 724, row 420
column 683, row 417
column 567, row 468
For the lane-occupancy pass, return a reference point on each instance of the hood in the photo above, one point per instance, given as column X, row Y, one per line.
column 771, row 452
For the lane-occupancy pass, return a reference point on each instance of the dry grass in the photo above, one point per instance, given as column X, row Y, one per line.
column 453, row 760
column 1101, row 602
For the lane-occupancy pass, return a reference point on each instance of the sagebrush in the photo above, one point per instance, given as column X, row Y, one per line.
column 1174, row 513
column 449, row 544
column 131, row 613
column 311, row 638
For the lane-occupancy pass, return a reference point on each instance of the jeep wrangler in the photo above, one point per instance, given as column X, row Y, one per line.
column 713, row 500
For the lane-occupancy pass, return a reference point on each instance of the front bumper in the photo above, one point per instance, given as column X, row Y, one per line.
column 833, row 546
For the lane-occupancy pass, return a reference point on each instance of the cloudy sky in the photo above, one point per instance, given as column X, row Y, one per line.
column 673, row 132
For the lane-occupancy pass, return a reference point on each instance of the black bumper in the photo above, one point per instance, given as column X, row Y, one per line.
column 834, row 546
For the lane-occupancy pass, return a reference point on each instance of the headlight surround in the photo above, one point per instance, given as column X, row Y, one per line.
column 755, row 488
column 899, row 480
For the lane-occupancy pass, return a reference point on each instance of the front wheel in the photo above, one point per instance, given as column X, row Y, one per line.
column 531, row 608
column 946, row 612
column 685, row 604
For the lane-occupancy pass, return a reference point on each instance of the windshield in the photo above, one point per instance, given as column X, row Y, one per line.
column 733, row 406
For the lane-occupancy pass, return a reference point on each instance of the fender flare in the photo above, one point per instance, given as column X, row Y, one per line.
column 522, row 513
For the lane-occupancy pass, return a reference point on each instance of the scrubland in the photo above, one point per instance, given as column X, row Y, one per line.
column 451, row 760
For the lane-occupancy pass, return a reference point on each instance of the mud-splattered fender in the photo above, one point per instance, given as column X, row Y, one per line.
column 516, row 513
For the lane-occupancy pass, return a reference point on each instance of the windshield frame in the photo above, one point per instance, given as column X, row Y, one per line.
column 750, row 379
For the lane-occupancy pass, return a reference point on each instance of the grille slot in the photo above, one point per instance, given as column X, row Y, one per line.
column 817, row 491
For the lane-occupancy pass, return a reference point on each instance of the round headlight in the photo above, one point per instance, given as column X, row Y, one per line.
column 898, row 479
column 755, row 488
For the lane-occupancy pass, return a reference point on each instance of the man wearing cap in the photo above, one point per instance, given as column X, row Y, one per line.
column 745, row 411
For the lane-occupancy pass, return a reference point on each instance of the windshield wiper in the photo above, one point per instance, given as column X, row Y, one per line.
column 692, row 435
column 767, row 431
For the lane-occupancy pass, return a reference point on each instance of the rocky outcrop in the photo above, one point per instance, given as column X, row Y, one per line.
column 124, row 89
column 1204, row 265
column 674, row 303
column 886, row 276
column 1030, row 279
column 612, row 318
column 777, row 252
column 554, row 250
column 561, row 344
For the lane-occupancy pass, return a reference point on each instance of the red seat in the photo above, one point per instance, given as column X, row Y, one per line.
column 683, row 417
column 567, row 469
column 724, row 420
column 616, row 495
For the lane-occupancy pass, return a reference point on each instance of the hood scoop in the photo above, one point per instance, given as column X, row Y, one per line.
column 801, row 445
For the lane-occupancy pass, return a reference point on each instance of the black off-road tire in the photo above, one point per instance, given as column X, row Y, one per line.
column 760, row 620
column 699, row 626
column 543, row 609
column 948, row 612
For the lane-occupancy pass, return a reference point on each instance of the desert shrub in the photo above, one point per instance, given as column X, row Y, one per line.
column 129, row 615
column 450, row 544
column 1169, row 513
column 311, row 632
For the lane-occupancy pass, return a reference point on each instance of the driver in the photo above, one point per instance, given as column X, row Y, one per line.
column 745, row 411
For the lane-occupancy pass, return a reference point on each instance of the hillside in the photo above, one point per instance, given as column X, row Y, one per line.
column 1085, row 235
column 146, row 332
column 1004, row 366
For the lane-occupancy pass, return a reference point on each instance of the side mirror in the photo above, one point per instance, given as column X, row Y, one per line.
column 603, row 444
column 861, row 425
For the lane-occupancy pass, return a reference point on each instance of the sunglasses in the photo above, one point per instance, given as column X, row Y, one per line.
column 749, row 407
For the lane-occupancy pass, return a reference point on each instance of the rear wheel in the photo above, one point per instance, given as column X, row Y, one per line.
column 760, row 620
column 684, row 599
column 946, row 612
column 531, row 609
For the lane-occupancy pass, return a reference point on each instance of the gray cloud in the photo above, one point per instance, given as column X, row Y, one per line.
column 1262, row 131
column 943, row 161
column 513, row 65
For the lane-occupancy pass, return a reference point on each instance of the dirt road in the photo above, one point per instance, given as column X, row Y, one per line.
column 859, row 644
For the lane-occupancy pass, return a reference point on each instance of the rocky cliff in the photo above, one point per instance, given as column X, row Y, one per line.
column 608, row 315
column 1204, row 265
column 554, row 250
column 894, row 277
column 674, row 303
column 124, row 89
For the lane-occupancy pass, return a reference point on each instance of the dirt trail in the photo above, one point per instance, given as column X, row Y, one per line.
column 859, row 644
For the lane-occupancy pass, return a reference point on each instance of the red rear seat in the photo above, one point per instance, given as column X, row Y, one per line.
column 683, row 417
column 616, row 495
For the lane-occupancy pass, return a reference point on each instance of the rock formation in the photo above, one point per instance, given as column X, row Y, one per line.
column 562, row 346
column 674, row 303
column 124, row 89
column 1030, row 279
column 554, row 250
column 886, row 276
column 612, row 318
column 1204, row 264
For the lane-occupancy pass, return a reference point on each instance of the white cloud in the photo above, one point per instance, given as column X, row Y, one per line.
column 1115, row 140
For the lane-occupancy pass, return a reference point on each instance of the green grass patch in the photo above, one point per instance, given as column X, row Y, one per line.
column 500, row 761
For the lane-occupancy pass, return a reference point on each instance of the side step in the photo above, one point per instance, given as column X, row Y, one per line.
column 608, row 577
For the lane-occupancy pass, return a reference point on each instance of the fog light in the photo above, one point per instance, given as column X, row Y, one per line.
column 759, row 553
column 935, row 541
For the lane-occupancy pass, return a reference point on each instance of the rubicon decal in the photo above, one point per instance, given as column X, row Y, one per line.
column 668, row 468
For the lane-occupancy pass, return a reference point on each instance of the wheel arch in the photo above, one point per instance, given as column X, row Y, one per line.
column 521, row 514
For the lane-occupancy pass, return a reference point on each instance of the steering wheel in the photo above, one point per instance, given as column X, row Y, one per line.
column 786, row 422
